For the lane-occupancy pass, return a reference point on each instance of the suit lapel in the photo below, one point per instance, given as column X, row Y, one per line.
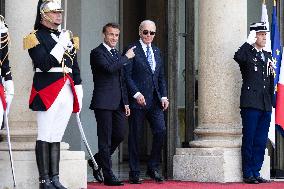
column 157, row 57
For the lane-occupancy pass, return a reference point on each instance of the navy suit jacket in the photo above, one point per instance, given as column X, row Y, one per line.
column 140, row 78
column 109, row 84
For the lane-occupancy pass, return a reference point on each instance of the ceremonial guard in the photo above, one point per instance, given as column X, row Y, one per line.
column 56, row 90
column 6, row 84
column 256, row 100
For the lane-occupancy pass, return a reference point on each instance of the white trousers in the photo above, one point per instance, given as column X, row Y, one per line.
column 53, row 122
column 1, row 112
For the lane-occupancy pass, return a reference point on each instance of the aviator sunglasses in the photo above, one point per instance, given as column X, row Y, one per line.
column 145, row 32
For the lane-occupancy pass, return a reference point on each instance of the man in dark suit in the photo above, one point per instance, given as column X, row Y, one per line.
column 148, row 99
column 256, row 100
column 110, row 101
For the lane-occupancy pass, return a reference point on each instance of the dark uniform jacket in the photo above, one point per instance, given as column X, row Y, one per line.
column 109, row 84
column 140, row 78
column 258, row 80
column 5, row 67
column 44, row 89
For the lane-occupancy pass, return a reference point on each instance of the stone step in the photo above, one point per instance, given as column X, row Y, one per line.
column 26, row 146
column 20, row 135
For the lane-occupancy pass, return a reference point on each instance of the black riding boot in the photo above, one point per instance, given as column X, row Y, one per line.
column 54, row 164
column 42, row 159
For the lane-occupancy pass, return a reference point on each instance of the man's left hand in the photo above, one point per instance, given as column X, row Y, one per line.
column 165, row 104
column 127, row 110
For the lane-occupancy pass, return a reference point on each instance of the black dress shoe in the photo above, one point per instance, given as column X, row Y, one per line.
column 250, row 180
column 96, row 173
column 262, row 180
column 113, row 181
column 153, row 174
column 134, row 180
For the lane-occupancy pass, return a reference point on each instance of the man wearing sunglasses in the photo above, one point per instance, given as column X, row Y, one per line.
column 148, row 99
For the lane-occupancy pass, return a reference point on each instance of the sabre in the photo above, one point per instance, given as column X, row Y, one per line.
column 10, row 147
column 65, row 13
column 85, row 141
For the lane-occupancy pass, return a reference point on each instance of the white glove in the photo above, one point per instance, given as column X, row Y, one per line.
column 64, row 38
column 4, row 30
column 63, row 43
column 251, row 37
column 9, row 93
column 79, row 92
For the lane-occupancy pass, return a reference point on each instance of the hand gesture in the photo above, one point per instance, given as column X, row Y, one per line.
column 130, row 53
column 64, row 38
column 252, row 37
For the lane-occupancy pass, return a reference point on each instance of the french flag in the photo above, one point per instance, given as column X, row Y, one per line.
column 279, row 110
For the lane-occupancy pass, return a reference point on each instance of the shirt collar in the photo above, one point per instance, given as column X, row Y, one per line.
column 144, row 46
column 106, row 46
column 261, row 50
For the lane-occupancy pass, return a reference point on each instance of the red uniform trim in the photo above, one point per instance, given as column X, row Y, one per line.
column 50, row 93
column 2, row 97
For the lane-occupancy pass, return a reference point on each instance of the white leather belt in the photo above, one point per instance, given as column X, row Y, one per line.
column 57, row 69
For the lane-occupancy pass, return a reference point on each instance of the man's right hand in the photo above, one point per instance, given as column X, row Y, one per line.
column 64, row 38
column 141, row 100
column 130, row 53
column 252, row 37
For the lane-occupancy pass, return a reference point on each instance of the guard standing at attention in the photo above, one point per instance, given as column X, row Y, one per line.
column 56, row 90
column 256, row 100
column 6, row 84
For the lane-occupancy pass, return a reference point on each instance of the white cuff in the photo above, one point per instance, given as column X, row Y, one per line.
column 58, row 52
column 9, row 87
column 164, row 98
column 79, row 91
column 137, row 94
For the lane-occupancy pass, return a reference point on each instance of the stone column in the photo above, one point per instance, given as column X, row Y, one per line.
column 215, row 154
column 20, row 17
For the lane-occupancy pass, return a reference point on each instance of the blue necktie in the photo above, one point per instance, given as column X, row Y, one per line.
column 114, row 53
column 149, row 58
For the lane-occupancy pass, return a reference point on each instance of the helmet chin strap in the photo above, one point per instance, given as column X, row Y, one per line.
column 47, row 18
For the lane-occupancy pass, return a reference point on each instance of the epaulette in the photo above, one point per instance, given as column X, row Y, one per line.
column 30, row 41
column 76, row 41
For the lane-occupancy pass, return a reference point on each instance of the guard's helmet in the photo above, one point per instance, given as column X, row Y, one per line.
column 45, row 6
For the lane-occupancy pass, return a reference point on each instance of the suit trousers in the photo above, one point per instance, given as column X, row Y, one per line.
column 111, row 127
column 255, row 133
column 155, row 116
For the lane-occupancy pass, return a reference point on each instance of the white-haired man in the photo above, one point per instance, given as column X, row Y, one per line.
column 148, row 100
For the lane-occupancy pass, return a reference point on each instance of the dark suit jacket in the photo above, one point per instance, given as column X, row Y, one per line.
column 258, row 86
column 139, row 76
column 109, row 85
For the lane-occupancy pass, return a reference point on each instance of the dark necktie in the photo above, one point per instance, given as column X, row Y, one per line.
column 114, row 53
column 260, row 55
